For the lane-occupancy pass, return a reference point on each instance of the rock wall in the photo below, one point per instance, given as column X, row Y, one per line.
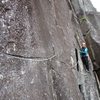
column 37, row 52
column 90, row 26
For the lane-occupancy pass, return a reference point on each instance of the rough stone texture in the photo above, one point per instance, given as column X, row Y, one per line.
column 37, row 52
column 91, row 29
column 95, row 35
column 90, row 25
column 82, row 6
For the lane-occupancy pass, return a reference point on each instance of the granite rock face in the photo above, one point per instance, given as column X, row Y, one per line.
column 90, row 26
column 37, row 51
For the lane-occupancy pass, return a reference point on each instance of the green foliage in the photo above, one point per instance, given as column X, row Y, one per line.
column 82, row 19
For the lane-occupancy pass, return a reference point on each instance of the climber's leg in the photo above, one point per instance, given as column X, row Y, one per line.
column 83, row 60
column 85, row 63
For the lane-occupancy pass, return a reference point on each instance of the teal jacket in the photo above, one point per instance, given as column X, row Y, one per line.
column 84, row 52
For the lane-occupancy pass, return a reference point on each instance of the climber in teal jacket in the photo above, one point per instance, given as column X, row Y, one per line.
column 84, row 55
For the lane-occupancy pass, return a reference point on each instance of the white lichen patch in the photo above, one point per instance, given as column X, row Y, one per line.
column 1, row 77
column 58, row 63
column 22, row 72
column 32, row 81
column 72, row 61
column 4, row 1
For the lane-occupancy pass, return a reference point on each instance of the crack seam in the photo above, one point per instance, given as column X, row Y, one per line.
column 37, row 59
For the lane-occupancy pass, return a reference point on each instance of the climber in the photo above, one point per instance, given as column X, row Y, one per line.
column 84, row 56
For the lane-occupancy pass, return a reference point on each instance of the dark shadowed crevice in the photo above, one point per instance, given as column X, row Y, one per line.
column 77, row 59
